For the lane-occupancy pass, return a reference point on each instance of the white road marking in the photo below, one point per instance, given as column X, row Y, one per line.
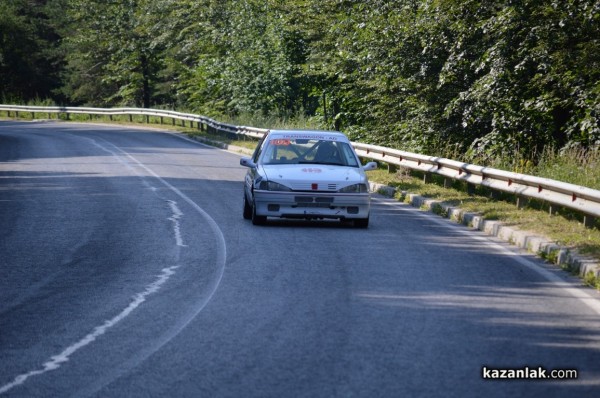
column 177, row 214
column 57, row 360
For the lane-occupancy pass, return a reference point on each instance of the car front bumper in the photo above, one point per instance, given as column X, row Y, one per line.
column 313, row 205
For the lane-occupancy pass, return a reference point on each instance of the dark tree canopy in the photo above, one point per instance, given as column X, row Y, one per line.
column 484, row 76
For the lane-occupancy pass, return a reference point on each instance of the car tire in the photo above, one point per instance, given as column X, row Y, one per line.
column 361, row 222
column 247, row 209
column 256, row 219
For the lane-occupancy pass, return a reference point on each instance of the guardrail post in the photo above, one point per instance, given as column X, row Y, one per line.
column 33, row 115
column 426, row 178
column 470, row 189
column 521, row 202
column 589, row 221
column 392, row 168
column 161, row 120
column 147, row 119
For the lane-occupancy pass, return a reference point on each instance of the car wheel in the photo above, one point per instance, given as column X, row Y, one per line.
column 247, row 209
column 361, row 222
column 256, row 219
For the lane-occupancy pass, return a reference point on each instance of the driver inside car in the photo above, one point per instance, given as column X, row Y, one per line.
column 328, row 153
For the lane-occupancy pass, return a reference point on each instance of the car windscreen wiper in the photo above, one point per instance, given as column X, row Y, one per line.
column 323, row 163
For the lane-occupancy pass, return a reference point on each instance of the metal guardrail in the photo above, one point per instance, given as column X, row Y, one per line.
column 557, row 193
column 582, row 199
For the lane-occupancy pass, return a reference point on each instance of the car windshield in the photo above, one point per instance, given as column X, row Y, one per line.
column 308, row 151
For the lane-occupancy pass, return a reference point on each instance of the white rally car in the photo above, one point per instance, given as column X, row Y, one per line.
column 308, row 175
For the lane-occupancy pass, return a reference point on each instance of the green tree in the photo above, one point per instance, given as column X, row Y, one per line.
column 29, row 63
column 245, row 60
column 483, row 76
column 112, row 59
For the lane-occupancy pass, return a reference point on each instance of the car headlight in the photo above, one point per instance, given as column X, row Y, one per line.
column 356, row 188
column 272, row 186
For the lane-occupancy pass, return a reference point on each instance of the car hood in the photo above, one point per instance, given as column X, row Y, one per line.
column 301, row 177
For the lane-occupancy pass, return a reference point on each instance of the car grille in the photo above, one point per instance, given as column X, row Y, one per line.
column 308, row 201
column 308, row 187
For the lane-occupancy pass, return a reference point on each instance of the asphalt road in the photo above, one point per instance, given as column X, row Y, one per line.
column 126, row 270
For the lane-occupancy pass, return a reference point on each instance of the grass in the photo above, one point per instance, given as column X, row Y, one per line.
column 230, row 139
column 271, row 122
column 576, row 165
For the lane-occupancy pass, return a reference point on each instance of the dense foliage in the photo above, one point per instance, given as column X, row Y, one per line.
column 483, row 77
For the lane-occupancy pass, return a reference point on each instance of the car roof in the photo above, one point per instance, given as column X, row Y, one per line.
column 323, row 134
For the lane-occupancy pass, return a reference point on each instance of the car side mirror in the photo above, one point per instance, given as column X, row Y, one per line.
column 370, row 166
column 247, row 162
